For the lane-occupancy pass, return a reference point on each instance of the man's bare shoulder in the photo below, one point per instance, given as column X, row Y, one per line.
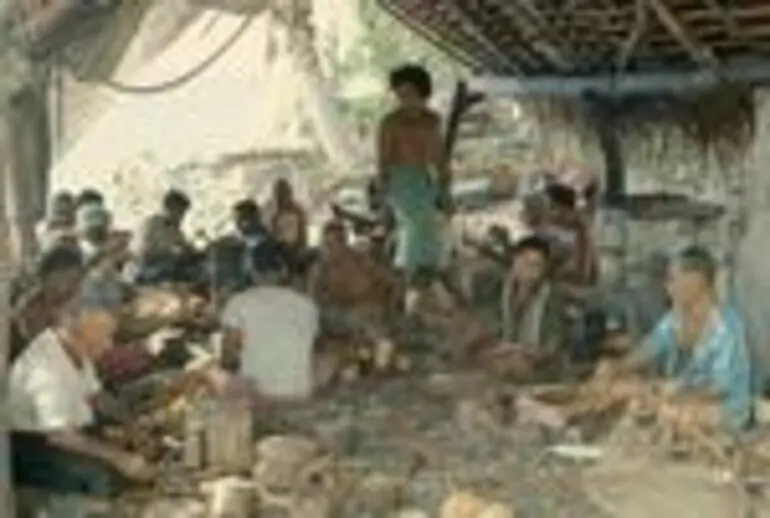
column 399, row 116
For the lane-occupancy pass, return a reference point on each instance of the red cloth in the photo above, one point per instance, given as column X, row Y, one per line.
column 123, row 364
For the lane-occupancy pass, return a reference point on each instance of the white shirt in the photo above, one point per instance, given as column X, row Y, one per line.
column 48, row 391
column 279, row 327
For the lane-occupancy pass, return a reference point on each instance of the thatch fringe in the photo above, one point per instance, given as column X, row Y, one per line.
column 718, row 123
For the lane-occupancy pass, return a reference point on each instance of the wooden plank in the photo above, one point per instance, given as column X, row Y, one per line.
column 753, row 73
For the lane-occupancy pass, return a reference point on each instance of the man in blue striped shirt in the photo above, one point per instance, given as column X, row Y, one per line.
column 700, row 346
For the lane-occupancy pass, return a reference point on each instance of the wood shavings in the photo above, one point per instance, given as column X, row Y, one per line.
column 350, row 360
column 466, row 504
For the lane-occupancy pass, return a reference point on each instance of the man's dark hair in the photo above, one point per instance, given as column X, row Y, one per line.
column 65, row 196
column 415, row 76
column 58, row 259
column 176, row 200
column 247, row 209
column 561, row 195
column 697, row 259
column 532, row 243
column 88, row 196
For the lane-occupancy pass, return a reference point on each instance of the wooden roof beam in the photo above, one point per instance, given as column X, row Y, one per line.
column 408, row 19
column 533, row 27
column 488, row 45
column 726, row 15
column 755, row 73
column 700, row 54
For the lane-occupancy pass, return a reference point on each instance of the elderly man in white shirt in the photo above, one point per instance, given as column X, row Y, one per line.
column 52, row 389
column 274, row 328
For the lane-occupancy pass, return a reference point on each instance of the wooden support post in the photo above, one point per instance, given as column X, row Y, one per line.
column 6, row 275
column 30, row 156
column 462, row 101
column 24, row 163
column 616, row 225
column 611, row 148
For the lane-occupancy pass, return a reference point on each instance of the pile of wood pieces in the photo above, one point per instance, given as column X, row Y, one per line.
column 294, row 476
column 680, row 427
column 350, row 360
column 154, row 308
column 466, row 504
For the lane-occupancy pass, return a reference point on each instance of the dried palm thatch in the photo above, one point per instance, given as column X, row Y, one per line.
column 718, row 122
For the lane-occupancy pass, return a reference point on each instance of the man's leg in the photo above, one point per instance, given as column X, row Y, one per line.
column 38, row 464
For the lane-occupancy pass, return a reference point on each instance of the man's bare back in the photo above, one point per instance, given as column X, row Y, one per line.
column 349, row 278
column 411, row 137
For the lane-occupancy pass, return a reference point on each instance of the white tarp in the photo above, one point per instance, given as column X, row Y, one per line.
column 242, row 102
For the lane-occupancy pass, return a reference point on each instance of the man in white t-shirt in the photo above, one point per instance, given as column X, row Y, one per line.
column 52, row 389
column 275, row 328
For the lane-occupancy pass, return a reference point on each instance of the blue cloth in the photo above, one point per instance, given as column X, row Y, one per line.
column 719, row 362
column 413, row 197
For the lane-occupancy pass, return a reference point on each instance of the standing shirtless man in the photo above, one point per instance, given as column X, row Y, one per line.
column 413, row 172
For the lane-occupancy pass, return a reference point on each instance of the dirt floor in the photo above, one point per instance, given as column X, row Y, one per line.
column 440, row 433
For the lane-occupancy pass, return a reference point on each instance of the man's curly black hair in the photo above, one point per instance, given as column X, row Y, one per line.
column 413, row 75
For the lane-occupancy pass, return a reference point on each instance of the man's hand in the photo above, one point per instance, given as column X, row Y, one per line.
column 135, row 468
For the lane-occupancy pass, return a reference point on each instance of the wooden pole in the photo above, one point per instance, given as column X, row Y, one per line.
column 611, row 148
column 6, row 275
column 615, row 247
column 754, row 72
column 30, row 156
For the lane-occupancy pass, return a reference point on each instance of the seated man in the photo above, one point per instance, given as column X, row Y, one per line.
column 89, row 196
column 533, row 312
column 354, row 290
column 59, row 223
column 574, row 255
column 57, row 275
column 375, row 225
column 93, row 230
column 52, row 390
column 162, row 249
column 699, row 347
column 251, row 230
column 287, row 221
column 272, row 328
column 250, row 234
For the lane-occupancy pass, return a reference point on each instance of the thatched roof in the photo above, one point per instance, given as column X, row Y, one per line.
column 687, row 65
column 584, row 37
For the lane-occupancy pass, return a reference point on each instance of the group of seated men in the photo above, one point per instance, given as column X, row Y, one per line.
column 65, row 323
column 273, row 321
